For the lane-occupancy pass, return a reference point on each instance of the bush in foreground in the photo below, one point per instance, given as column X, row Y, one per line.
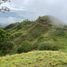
column 6, row 45
column 35, row 59
column 24, row 47
column 6, row 48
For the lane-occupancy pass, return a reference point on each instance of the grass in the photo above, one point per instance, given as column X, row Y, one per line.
column 35, row 33
column 35, row 59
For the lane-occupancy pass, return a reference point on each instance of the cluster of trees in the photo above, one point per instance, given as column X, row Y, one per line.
column 9, row 47
column 4, row 8
column 6, row 45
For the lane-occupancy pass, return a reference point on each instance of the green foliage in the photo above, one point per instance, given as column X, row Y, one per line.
column 3, row 35
column 36, row 32
column 35, row 59
column 57, row 32
column 23, row 25
column 48, row 46
column 32, row 35
column 10, row 26
column 43, row 19
column 37, row 35
column 24, row 47
column 6, row 46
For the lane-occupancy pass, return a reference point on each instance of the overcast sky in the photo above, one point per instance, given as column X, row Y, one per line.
column 22, row 9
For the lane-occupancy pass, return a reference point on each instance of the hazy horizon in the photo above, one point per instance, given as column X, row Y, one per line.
column 30, row 9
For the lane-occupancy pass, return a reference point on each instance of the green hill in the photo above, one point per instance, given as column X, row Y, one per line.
column 46, row 39
column 42, row 30
column 40, row 34
column 35, row 59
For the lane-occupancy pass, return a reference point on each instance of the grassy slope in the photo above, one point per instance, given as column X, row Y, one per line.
column 35, row 32
column 35, row 59
column 29, row 31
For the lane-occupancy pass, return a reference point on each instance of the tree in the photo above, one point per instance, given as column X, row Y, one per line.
column 4, row 8
column 56, row 32
column 24, row 47
column 6, row 46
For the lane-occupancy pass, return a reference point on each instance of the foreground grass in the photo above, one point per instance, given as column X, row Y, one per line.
column 35, row 59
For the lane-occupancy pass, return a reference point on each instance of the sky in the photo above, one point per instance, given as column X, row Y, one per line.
column 31, row 9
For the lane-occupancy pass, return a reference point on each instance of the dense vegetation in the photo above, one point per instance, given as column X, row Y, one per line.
column 47, row 41
column 6, row 45
column 25, row 36
column 35, row 59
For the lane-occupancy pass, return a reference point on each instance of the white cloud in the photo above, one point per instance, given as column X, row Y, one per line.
column 57, row 8
column 11, row 6
column 8, row 21
column 11, row 20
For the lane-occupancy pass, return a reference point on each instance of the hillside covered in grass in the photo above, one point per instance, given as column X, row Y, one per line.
column 41, row 34
column 38, row 43
column 35, row 59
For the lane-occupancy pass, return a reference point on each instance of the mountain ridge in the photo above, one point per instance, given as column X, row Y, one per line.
column 42, row 29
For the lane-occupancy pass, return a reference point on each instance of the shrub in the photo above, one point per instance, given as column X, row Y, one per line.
column 24, row 47
column 6, row 48
column 57, row 32
column 48, row 46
